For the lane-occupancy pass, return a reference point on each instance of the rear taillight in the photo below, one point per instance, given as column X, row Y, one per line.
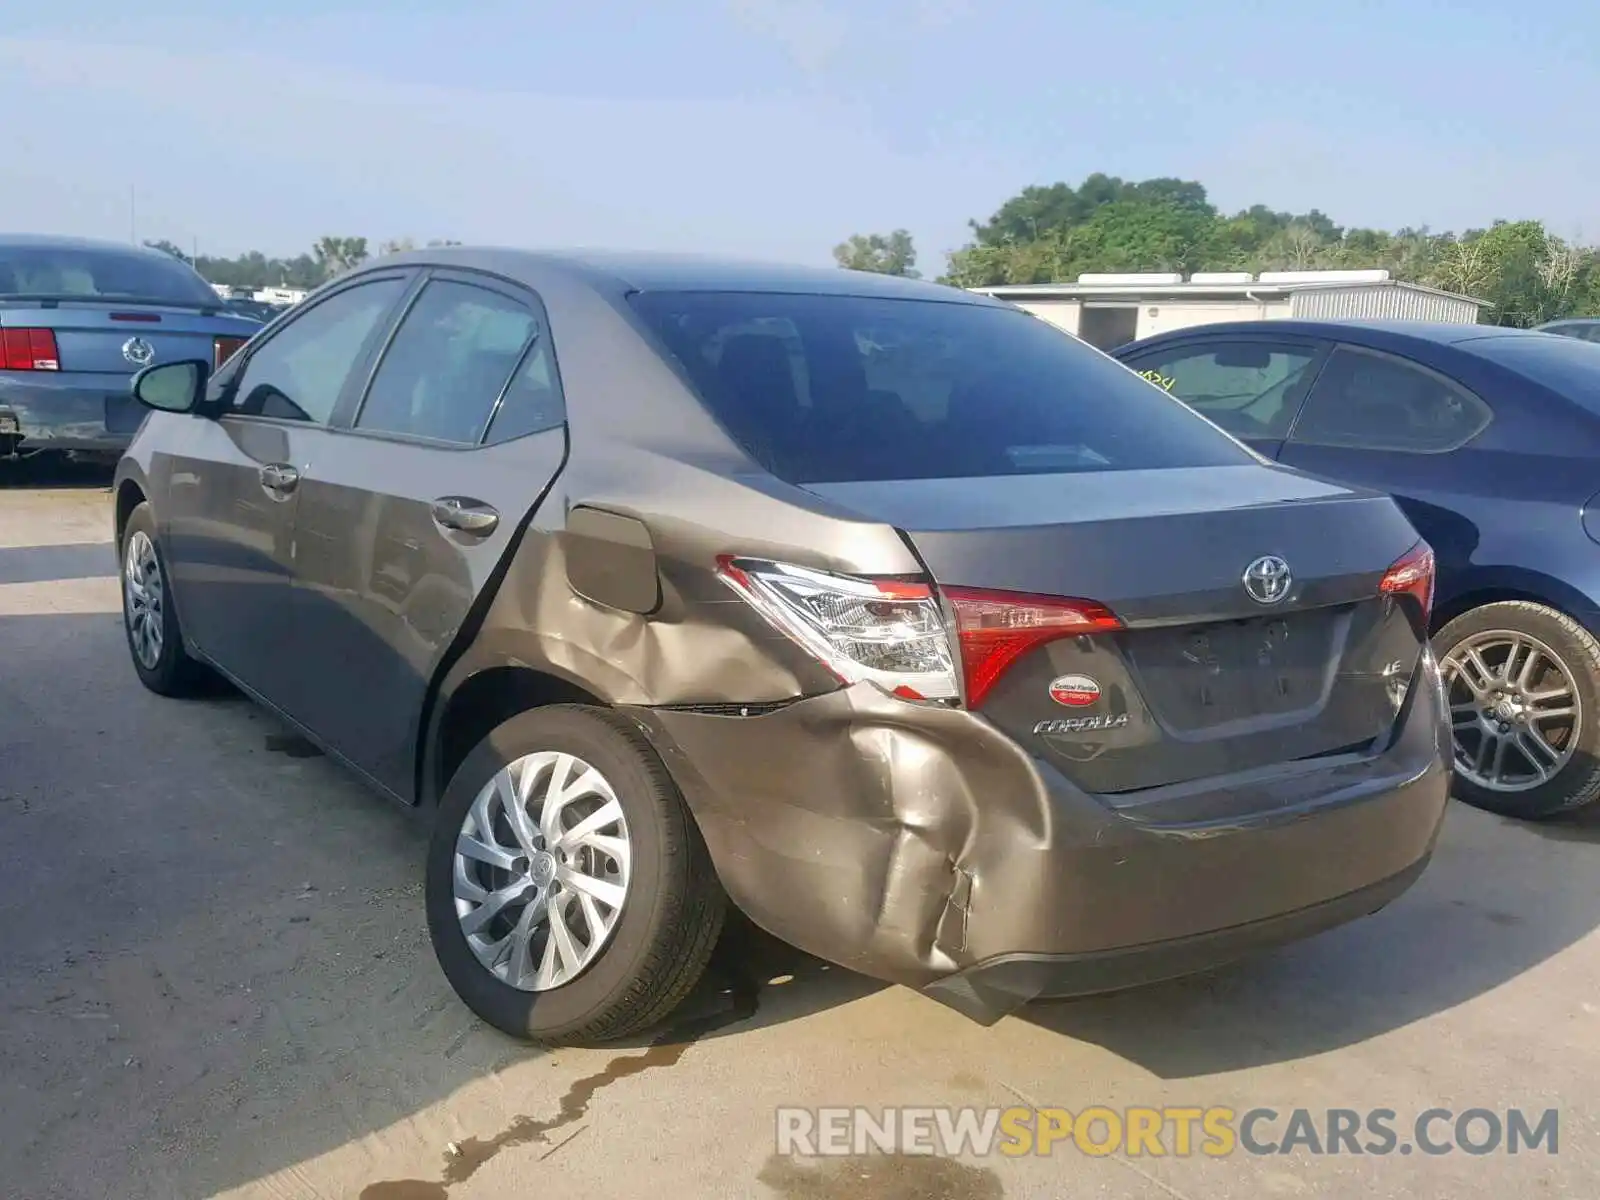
column 28, row 350
column 1412, row 575
column 882, row 631
column 894, row 633
column 995, row 629
column 224, row 348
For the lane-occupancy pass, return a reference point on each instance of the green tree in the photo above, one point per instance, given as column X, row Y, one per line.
column 1055, row 232
column 336, row 255
column 885, row 254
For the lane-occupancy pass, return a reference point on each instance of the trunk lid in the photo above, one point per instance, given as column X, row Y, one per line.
column 91, row 336
column 1202, row 680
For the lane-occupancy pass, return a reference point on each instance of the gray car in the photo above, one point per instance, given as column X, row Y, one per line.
column 937, row 642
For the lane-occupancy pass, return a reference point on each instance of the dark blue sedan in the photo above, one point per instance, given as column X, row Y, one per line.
column 77, row 319
column 1490, row 440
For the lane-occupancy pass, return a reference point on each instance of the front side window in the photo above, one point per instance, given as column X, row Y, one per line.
column 1371, row 401
column 451, row 358
column 1252, row 389
column 301, row 371
column 827, row 389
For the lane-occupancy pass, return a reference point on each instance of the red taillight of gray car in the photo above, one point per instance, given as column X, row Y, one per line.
column 995, row 629
column 894, row 634
column 29, row 350
column 1412, row 575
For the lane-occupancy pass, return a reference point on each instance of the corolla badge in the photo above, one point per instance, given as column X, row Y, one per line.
column 138, row 351
column 1095, row 724
column 1267, row 580
column 1075, row 691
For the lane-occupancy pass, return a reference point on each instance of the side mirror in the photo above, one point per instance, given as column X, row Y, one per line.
column 172, row 387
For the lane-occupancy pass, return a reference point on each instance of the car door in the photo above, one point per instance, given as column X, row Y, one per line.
column 1250, row 384
column 404, row 518
column 1390, row 423
column 232, row 491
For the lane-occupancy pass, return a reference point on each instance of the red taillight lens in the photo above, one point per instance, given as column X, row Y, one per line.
column 225, row 348
column 1412, row 575
column 994, row 629
column 28, row 350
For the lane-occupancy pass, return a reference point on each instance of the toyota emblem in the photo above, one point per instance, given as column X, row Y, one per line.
column 138, row 351
column 1267, row 580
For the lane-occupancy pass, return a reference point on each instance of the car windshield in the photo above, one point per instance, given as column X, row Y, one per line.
column 1566, row 365
column 74, row 272
column 827, row 389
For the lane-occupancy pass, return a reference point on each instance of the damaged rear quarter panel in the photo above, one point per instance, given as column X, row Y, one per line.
column 858, row 826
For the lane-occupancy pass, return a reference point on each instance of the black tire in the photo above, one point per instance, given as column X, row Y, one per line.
column 667, row 927
column 174, row 672
column 1577, row 783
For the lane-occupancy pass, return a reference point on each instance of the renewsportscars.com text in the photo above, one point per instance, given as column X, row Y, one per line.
column 1215, row 1132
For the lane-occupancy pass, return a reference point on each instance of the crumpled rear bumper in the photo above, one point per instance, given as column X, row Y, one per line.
column 920, row 845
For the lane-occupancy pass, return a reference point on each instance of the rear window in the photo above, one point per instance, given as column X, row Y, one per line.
column 1566, row 365
column 830, row 389
column 73, row 273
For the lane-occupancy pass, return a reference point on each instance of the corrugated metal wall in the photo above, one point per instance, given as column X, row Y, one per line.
column 1392, row 302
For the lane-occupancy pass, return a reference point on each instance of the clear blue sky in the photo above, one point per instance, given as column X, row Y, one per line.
column 776, row 127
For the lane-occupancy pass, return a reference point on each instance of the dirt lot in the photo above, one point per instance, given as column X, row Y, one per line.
column 215, row 981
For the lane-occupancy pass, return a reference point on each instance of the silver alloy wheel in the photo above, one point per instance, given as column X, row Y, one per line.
column 145, row 594
column 542, row 864
column 1514, row 710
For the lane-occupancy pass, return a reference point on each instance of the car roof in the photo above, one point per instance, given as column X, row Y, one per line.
column 19, row 241
column 1392, row 333
column 642, row 271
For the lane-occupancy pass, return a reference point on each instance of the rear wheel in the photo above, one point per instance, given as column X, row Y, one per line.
column 570, row 899
column 155, row 641
column 1524, row 707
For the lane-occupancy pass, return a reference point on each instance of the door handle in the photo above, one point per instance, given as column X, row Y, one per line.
column 464, row 515
column 279, row 477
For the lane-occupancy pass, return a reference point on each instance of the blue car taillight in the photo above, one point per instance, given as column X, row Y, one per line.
column 28, row 350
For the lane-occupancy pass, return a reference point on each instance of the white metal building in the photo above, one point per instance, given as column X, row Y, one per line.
column 1111, row 310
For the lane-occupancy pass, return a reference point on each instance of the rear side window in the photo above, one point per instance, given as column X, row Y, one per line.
column 827, row 389
column 452, row 357
column 1365, row 400
column 75, row 273
column 1251, row 389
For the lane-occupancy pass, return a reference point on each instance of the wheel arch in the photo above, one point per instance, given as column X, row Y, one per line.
column 477, row 703
column 130, row 494
column 1525, row 586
